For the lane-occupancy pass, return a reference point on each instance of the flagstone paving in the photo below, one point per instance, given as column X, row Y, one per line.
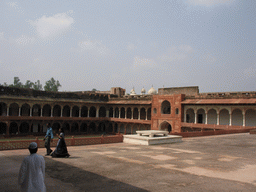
column 216, row 163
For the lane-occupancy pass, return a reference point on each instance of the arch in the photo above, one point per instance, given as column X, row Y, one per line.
column 47, row 110
column 122, row 128
column 101, row 127
column 92, row 127
column 116, row 128
column 13, row 128
column 116, row 112
column 128, row 129
column 149, row 114
column 166, row 107
column 35, row 127
column 165, row 126
column 190, row 115
column 142, row 113
column 212, row 116
column 75, row 111
column 201, row 116
column 250, row 117
column 92, row 112
column 129, row 113
column 111, row 112
column 110, row 128
column 3, row 109
column 237, row 117
column 66, row 111
column 83, row 127
column 102, row 112
column 135, row 113
column 55, row 127
column 74, row 127
column 14, row 109
column 84, row 111
column 224, row 117
column 3, row 128
column 25, row 110
column 24, row 127
column 122, row 115
column 66, row 127
column 56, row 111
column 36, row 110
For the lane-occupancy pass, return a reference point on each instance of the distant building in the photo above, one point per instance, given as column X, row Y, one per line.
column 177, row 109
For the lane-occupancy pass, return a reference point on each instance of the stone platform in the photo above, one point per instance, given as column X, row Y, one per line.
column 151, row 137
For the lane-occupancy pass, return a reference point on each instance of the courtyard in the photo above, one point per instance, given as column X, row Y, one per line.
column 215, row 163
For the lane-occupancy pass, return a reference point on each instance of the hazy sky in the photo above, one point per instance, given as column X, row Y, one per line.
column 135, row 43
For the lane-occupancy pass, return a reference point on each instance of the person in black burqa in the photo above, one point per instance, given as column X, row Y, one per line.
column 61, row 149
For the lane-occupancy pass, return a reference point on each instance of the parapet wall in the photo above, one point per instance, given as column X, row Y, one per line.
column 179, row 90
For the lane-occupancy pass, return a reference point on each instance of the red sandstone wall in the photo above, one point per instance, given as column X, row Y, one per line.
column 179, row 90
column 158, row 119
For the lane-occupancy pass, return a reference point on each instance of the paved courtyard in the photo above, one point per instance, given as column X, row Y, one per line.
column 216, row 163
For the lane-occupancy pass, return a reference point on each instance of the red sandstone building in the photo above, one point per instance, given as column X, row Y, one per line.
column 180, row 109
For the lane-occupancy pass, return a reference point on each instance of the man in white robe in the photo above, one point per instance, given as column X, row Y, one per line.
column 32, row 171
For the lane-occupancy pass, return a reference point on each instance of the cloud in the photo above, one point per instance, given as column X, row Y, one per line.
column 139, row 63
column 176, row 53
column 50, row 27
column 93, row 46
column 24, row 40
column 2, row 36
column 249, row 72
column 209, row 3
column 15, row 6
column 131, row 47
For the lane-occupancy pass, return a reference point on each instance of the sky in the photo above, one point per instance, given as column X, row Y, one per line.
column 136, row 43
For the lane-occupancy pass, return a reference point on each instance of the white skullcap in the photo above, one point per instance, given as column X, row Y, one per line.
column 32, row 145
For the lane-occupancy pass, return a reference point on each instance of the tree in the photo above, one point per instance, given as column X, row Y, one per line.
column 37, row 85
column 94, row 89
column 52, row 85
column 16, row 83
column 28, row 84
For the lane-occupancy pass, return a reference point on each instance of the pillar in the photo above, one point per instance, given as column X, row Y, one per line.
column 196, row 117
column 230, row 118
column 243, row 118
column 71, row 109
column 206, row 117
column 131, row 113
column 41, row 112
column 97, row 112
column 88, row 112
column 80, row 111
column 119, row 114
column 125, row 113
column 8, row 109
column 218, row 118
column 139, row 114
column 19, row 111
column 107, row 112
column 31, row 111
column 52, row 112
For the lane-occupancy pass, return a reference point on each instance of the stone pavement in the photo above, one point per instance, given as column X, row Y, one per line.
column 215, row 163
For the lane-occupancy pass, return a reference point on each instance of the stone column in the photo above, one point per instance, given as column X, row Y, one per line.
column 107, row 113
column 52, row 112
column 139, row 114
column 132, row 113
column 119, row 114
column 125, row 113
column 7, row 128
column 114, row 113
column 195, row 117
column 206, row 117
column 230, row 118
column 243, row 118
column 80, row 111
column 61, row 112
column 185, row 116
column 97, row 112
column 88, row 113
column 41, row 112
column 8, row 109
column 218, row 118
column 71, row 110
column 31, row 112
column 19, row 111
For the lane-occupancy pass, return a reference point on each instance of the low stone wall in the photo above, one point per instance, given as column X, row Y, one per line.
column 209, row 133
column 23, row 144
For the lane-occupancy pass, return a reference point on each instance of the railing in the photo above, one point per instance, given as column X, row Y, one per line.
column 23, row 144
column 214, row 126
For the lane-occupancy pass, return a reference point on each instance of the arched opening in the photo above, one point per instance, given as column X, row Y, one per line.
column 200, row 116
column 55, row 127
column 129, row 113
column 190, row 116
column 75, row 111
column 237, row 117
column 13, row 128
column 14, row 109
column 56, row 111
column 84, row 111
column 24, row 127
column 177, row 111
column 224, row 117
column 110, row 128
column 212, row 116
column 122, row 115
column 102, row 112
column 128, row 129
column 25, row 110
column 47, row 110
column 36, row 110
column 92, row 112
column 3, row 109
column 142, row 113
column 66, row 127
column 92, row 127
column 101, row 128
column 149, row 114
column 35, row 128
column 116, row 127
column 3, row 128
column 66, row 111
column 122, row 128
column 165, row 107
column 250, row 117
column 74, row 127
column 116, row 112
column 135, row 113
column 110, row 112
column 166, row 127
column 83, row 127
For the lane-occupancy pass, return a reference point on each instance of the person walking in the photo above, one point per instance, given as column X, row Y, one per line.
column 48, row 138
column 32, row 171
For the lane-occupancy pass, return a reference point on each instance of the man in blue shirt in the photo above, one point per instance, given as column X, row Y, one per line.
column 48, row 138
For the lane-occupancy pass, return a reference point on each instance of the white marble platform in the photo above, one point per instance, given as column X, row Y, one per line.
column 147, row 138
